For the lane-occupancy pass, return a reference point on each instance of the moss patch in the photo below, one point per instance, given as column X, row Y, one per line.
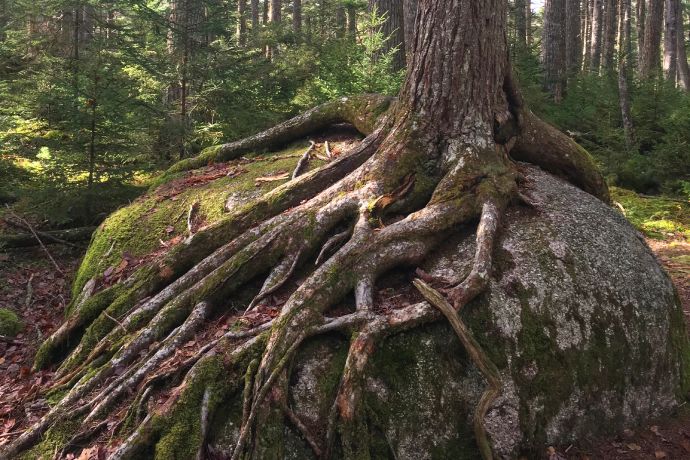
column 10, row 324
column 656, row 217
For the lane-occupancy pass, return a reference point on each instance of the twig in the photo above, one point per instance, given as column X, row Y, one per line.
column 328, row 150
column 302, row 428
column 37, row 238
column 304, row 161
column 115, row 320
column 10, row 340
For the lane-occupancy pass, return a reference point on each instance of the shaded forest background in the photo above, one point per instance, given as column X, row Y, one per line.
column 98, row 96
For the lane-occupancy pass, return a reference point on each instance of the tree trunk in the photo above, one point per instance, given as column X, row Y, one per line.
column 436, row 161
column 274, row 23
column 340, row 22
column 587, row 31
column 554, row 48
column 650, row 58
column 670, row 63
column 255, row 17
column 242, row 22
column 641, row 18
column 264, row 14
column 682, row 56
column 573, row 40
column 351, row 13
column 393, row 29
column 597, row 30
column 520, row 18
column 624, row 52
column 528, row 17
column 410, row 12
column 297, row 18
column 609, row 35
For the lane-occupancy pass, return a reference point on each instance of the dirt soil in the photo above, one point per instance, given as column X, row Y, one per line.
column 31, row 286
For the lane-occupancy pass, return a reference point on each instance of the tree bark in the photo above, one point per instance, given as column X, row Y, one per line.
column 242, row 22
column 274, row 22
column 340, row 22
column 554, row 48
column 351, row 18
column 393, row 29
column 624, row 53
column 528, row 17
column 641, row 18
column 520, row 18
column 650, row 59
column 587, row 32
column 609, row 35
column 410, row 12
column 597, row 30
column 682, row 56
column 297, row 18
column 255, row 17
column 573, row 40
column 670, row 62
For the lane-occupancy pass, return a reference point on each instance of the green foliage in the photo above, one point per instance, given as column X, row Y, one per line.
column 10, row 324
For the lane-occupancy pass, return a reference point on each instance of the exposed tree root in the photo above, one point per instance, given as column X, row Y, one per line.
column 361, row 215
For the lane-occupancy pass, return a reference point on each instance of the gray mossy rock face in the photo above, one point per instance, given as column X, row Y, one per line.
column 580, row 318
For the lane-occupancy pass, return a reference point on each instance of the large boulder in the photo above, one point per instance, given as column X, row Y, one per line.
column 581, row 320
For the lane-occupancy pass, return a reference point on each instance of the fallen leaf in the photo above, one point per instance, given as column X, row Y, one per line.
column 633, row 446
column 659, row 454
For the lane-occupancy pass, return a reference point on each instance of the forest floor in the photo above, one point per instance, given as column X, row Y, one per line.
column 31, row 285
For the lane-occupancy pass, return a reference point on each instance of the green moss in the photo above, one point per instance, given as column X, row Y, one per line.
column 656, row 217
column 54, row 439
column 10, row 324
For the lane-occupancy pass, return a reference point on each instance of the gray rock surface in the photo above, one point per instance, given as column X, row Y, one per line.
column 580, row 318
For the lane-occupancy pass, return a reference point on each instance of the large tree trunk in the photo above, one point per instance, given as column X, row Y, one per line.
column 393, row 28
column 282, row 265
column 650, row 58
column 670, row 62
column 554, row 48
column 641, row 18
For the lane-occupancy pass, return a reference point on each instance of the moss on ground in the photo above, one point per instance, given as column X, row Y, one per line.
column 10, row 324
column 657, row 217
column 159, row 216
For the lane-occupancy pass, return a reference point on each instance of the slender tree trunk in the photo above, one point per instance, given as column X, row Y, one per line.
column 597, row 30
column 393, row 28
column 264, row 15
column 410, row 12
column 682, row 56
column 624, row 52
column 609, row 35
column 587, row 31
column 554, row 48
column 255, row 16
column 520, row 17
column 650, row 58
column 351, row 18
column 528, row 17
column 641, row 17
column 340, row 22
column 242, row 22
column 671, row 40
column 274, row 21
column 297, row 19
column 573, row 40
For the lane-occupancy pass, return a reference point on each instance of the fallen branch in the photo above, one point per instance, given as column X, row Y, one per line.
column 66, row 237
column 304, row 161
column 57, row 267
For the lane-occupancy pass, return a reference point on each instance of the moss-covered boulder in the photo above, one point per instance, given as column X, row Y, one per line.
column 581, row 320
column 10, row 324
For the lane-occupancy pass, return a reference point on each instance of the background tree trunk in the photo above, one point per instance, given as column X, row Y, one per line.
column 641, row 17
column 682, row 55
column 609, row 35
column 520, row 17
column 573, row 40
column 340, row 22
column 597, row 29
column 297, row 19
column 410, row 12
column 351, row 13
column 650, row 58
column 274, row 21
column 255, row 17
column 393, row 29
column 671, row 40
column 554, row 47
column 624, row 52
column 242, row 22
column 587, row 32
